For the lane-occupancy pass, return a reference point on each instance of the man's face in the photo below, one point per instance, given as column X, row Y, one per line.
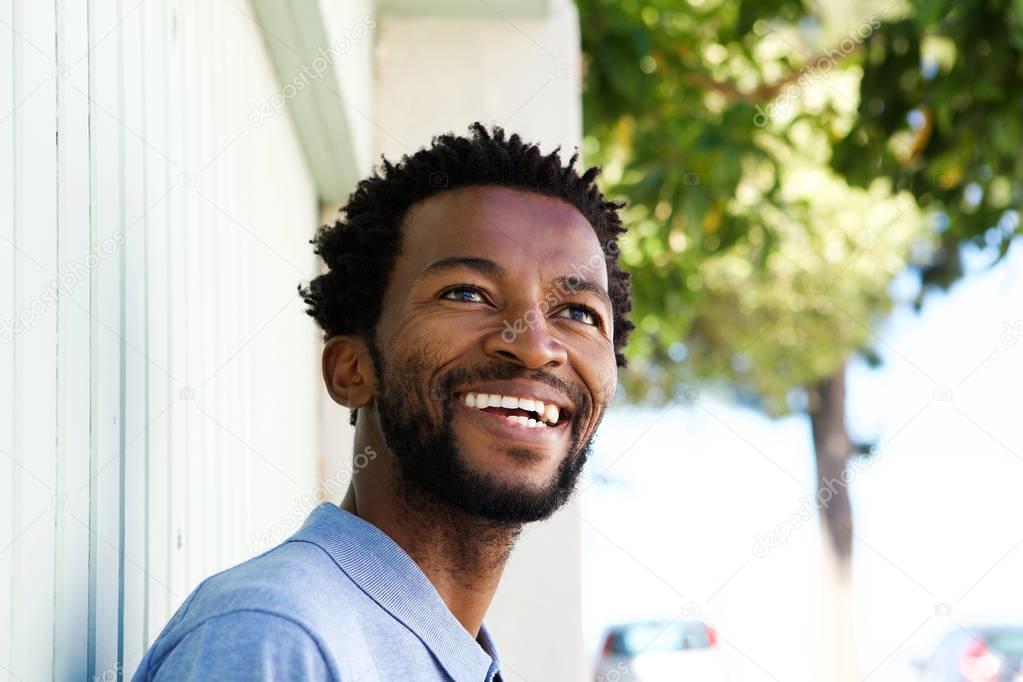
column 485, row 298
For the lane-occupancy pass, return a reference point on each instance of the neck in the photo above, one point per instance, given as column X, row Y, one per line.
column 462, row 555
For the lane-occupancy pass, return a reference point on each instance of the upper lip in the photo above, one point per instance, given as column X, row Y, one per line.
column 523, row 389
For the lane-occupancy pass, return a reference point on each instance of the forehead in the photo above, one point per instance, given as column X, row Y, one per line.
column 528, row 234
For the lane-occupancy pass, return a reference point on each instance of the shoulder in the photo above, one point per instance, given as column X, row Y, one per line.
column 292, row 578
column 253, row 618
column 241, row 645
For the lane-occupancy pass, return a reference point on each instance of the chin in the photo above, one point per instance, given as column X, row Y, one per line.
column 524, row 468
column 523, row 493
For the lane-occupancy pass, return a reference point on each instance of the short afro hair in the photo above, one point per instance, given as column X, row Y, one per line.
column 360, row 249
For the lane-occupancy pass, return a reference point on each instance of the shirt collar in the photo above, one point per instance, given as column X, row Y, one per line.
column 487, row 642
column 389, row 576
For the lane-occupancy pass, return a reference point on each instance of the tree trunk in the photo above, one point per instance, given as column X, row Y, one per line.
column 833, row 447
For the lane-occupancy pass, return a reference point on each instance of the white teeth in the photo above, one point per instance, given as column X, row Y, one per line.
column 547, row 414
column 529, row 423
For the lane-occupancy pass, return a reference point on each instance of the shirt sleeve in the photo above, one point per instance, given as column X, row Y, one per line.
column 248, row 646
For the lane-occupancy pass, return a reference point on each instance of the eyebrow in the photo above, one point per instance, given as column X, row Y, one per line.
column 566, row 282
column 483, row 266
column 489, row 268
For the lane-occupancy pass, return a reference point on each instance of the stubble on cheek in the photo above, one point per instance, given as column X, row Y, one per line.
column 412, row 373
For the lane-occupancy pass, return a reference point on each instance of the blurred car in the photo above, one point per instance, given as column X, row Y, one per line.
column 659, row 651
column 989, row 653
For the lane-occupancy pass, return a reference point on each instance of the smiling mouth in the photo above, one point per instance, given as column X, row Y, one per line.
column 528, row 412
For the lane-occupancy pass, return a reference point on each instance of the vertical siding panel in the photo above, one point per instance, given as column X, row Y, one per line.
column 194, row 226
column 107, row 150
column 35, row 370
column 277, row 262
column 244, row 304
column 7, row 313
column 219, row 156
column 210, row 391
column 94, row 456
column 231, row 282
column 77, row 258
column 138, row 367
column 199, row 491
column 207, row 396
column 158, row 191
column 177, row 237
column 169, row 303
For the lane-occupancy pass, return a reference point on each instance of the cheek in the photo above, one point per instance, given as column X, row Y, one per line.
column 600, row 377
column 419, row 351
column 607, row 383
column 611, row 381
column 597, row 362
column 607, row 393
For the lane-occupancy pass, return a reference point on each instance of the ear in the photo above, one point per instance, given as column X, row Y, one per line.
column 347, row 371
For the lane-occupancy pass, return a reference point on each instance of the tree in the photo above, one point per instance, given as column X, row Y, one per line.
column 781, row 169
column 941, row 114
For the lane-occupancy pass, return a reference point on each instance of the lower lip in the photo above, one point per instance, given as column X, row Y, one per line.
column 501, row 427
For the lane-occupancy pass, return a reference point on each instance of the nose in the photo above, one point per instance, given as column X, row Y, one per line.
column 526, row 340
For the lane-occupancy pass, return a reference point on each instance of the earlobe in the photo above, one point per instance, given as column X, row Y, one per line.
column 343, row 365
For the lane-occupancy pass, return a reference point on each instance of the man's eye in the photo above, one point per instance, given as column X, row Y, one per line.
column 588, row 316
column 467, row 292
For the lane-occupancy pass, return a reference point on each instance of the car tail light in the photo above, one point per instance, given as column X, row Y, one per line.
column 979, row 664
column 712, row 636
column 608, row 645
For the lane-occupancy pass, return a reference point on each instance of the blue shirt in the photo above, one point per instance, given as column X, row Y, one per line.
column 338, row 600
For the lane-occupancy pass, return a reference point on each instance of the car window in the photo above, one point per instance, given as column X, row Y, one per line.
column 649, row 637
column 1007, row 643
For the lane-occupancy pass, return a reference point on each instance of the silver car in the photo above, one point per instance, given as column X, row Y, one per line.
column 656, row 651
column 983, row 653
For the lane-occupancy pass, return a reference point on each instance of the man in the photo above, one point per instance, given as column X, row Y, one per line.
column 474, row 318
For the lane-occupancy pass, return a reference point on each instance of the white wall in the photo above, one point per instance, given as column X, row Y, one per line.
column 165, row 396
column 356, row 87
column 344, row 21
column 439, row 74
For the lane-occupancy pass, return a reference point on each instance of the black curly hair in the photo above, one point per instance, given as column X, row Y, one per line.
column 360, row 249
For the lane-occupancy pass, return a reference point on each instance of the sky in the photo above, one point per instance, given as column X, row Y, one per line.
column 672, row 524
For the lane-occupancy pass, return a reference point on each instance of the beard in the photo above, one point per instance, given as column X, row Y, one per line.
column 431, row 464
